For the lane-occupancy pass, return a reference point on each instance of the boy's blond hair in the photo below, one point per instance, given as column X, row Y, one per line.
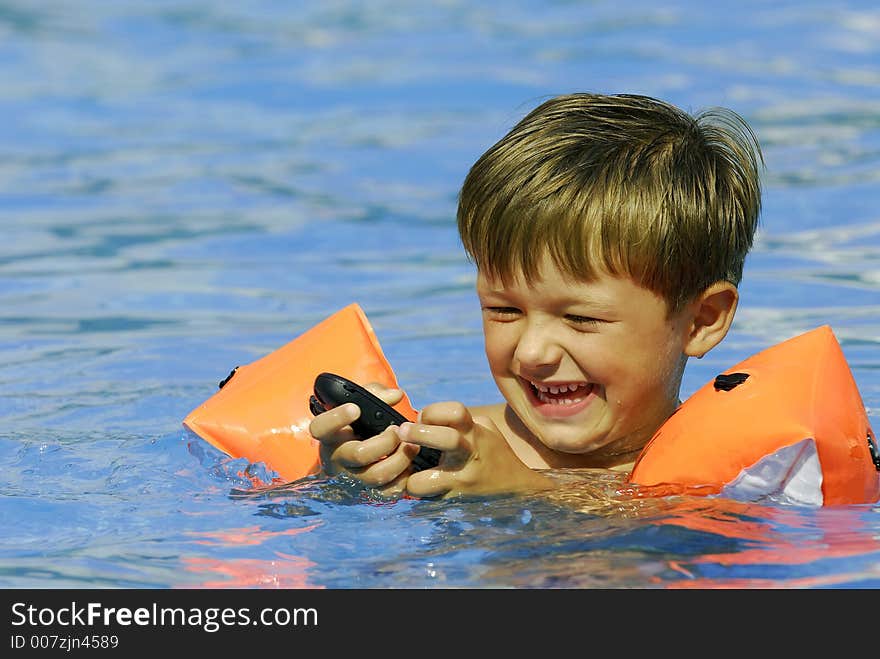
column 626, row 184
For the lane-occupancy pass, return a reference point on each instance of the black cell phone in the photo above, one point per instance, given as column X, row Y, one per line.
column 332, row 390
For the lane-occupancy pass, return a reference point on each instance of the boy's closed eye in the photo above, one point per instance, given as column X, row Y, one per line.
column 502, row 311
column 582, row 321
column 511, row 313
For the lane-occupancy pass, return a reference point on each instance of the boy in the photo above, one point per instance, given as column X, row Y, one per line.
column 609, row 235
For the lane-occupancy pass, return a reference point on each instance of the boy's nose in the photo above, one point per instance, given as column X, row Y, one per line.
column 537, row 348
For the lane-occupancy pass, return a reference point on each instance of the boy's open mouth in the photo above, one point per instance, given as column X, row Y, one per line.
column 563, row 393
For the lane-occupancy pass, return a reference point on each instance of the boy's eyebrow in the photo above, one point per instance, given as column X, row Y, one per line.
column 485, row 290
column 595, row 303
column 484, row 287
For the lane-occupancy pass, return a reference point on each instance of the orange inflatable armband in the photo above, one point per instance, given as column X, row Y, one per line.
column 788, row 420
column 261, row 412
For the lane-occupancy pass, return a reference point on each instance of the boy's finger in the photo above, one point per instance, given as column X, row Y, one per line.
column 332, row 421
column 430, row 483
column 443, row 438
column 396, row 487
column 450, row 413
column 365, row 452
column 385, row 471
column 386, row 394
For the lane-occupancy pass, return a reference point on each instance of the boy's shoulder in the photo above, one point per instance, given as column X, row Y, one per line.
column 487, row 410
column 496, row 412
column 527, row 448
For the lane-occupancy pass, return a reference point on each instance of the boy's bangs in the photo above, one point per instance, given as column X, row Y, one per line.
column 578, row 242
column 583, row 235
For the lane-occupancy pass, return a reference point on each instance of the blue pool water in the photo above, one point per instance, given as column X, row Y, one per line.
column 186, row 186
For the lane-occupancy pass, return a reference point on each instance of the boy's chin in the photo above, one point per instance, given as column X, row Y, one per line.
column 573, row 445
column 564, row 438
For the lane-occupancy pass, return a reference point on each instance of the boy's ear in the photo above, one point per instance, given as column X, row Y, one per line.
column 712, row 315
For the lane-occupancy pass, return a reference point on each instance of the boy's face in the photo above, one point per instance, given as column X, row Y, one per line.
column 587, row 367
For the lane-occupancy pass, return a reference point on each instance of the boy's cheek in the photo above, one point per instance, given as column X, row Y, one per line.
column 498, row 347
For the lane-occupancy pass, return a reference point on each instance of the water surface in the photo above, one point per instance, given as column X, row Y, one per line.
column 187, row 186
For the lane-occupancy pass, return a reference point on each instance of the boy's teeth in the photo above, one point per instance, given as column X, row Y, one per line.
column 558, row 389
column 543, row 391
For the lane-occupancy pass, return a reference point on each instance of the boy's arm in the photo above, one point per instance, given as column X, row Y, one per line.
column 477, row 458
column 491, row 471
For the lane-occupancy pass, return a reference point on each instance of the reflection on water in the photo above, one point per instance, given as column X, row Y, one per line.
column 282, row 572
column 596, row 532
column 187, row 186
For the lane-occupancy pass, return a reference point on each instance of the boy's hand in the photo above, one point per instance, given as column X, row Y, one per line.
column 382, row 462
column 476, row 457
